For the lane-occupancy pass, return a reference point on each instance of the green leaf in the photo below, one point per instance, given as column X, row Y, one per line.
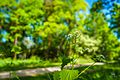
column 68, row 74
column 65, row 75
column 65, row 61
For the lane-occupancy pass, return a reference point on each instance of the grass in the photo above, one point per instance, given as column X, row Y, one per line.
column 40, row 77
column 9, row 64
column 100, row 72
column 109, row 71
column 12, row 65
column 84, row 60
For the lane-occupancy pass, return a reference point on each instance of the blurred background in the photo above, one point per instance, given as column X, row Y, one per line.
column 44, row 33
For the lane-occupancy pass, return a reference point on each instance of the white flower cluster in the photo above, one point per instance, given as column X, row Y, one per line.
column 83, row 42
column 28, row 43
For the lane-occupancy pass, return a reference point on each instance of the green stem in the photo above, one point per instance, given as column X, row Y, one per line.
column 49, row 77
column 85, row 70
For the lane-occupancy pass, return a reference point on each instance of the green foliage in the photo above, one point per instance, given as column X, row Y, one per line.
column 98, row 72
column 110, row 11
column 99, row 58
column 48, row 21
column 16, row 49
column 98, row 28
column 53, row 28
column 69, row 74
column 65, row 61
column 65, row 75
column 105, row 72
column 83, row 44
column 9, row 64
column 57, row 27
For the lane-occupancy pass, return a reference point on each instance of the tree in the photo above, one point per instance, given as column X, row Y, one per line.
column 16, row 18
column 46, row 22
column 98, row 28
column 110, row 8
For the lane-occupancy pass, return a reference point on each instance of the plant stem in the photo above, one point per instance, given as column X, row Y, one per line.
column 85, row 70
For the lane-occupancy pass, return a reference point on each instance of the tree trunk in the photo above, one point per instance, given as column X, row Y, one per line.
column 15, row 43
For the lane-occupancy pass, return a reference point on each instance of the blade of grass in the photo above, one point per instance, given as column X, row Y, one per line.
column 85, row 70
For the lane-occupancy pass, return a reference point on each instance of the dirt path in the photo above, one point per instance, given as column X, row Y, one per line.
column 37, row 71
